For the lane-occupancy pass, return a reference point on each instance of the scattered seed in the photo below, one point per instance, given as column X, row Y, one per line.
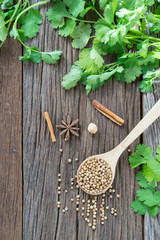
column 102, row 223
column 63, row 210
column 59, row 188
column 59, row 192
column 69, row 160
column 66, row 208
column 129, row 150
column 90, row 224
column 76, row 159
column 77, row 209
column 93, row 227
column 59, row 180
column 66, row 191
column 72, row 199
column 115, row 214
column 83, row 200
column 110, row 196
column 107, row 207
column 72, row 187
column 59, row 174
column 61, row 150
column 117, row 195
column 83, row 208
column 82, row 214
column 77, row 186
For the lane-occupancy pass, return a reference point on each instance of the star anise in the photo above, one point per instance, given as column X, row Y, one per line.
column 68, row 127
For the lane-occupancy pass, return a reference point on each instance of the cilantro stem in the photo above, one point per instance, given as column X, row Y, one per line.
column 13, row 15
column 81, row 20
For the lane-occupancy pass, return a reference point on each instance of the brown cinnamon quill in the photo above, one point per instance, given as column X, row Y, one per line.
column 106, row 112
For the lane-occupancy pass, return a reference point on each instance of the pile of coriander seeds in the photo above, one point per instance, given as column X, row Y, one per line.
column 94, row 176
column 92, row 209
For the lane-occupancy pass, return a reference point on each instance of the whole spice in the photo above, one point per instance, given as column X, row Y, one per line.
column 106, row 112
column 94, row 176
column 92, row 128
column 68, row 128
column 46, row 116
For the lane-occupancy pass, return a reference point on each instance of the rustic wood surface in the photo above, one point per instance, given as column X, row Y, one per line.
column 42, row 160
column 10, row 141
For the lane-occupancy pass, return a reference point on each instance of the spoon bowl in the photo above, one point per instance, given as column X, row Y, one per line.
column 112, row 157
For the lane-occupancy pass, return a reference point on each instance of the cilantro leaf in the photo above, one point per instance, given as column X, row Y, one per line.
column 142, row 155
column 158, row 153
column 32, row 54
column 143, row 48
column 154, row 167
column 73, row 77
column 56, row 14
column 30, row 23
column 94, row 81
column 76, row 7
column 3, row 29
column 103, row 3
column 51, row 57
column 131, row 69
column 142, row 182
column 110, row 11
column 68, row 28
column 91, row 61
column 81, row 35
column 139, row 207
column 153, row 211
column 147, row 196
column 148, row 78
column 6, row 4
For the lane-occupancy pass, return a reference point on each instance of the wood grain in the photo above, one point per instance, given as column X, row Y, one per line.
column 10, row 141
column 42, row 159
column 151, row 138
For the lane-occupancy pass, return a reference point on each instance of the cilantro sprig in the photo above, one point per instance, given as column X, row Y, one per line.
column 148, row 196
column 29, row 20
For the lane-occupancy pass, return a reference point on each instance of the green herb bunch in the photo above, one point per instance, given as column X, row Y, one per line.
column 148, row 196
column 120, row 25
column 29, row 19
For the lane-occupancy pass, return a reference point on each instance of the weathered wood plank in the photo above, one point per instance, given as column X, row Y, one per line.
column 151, row 138
column 10, row 141
column 42, row 159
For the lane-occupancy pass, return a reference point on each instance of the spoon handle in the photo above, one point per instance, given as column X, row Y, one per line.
column 148, row 119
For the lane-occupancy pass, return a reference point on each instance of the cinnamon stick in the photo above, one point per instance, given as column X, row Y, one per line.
column 46, row 116
column 106, row 112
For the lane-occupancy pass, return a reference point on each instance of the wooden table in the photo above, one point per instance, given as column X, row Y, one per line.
column 30, row 162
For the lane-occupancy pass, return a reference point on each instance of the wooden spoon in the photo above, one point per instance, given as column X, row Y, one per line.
column 112, row 156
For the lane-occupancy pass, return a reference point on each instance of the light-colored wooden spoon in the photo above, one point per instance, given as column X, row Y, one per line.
column 112, row 156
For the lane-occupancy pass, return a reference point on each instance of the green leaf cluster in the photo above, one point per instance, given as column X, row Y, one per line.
column 29, row 20
column 115, row 31
column 148, row 196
